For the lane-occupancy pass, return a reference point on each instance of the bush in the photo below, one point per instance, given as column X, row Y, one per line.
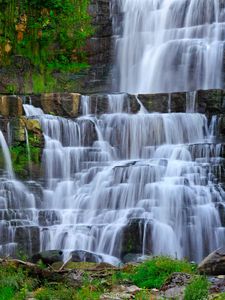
column 197, row 289
column 153, row 273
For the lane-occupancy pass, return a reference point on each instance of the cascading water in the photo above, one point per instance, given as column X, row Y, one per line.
column 155, row 168
column 170, row 45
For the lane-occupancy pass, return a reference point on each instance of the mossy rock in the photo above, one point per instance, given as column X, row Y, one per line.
column 26, row 160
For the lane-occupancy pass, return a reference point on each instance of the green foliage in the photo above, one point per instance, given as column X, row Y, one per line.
column 41, row 265
column 50, row 34
column 197, row 289
column 62, row 292
column 43, row 83
column 219, row 297
column 153, row 273
column 11, row 89
column 20, row 156
column 6, row 292
column 14, row 283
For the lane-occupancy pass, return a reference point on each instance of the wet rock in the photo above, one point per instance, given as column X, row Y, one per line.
column 132, row 258
column 221, row 210
column 133, row 238
column 48, row 257
column 11, row 106
column 175, row 102
column 48, row 218
column 211, row 102
column 99, row 103
column 153, row 103
column 88, row 139
column 214, row 263
column 27, row 239
column 85, row 256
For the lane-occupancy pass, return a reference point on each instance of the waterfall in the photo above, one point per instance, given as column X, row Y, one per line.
column 31, row 110
column 146, row 166
column 170, row 45
column 105, row 171
column 6, row 155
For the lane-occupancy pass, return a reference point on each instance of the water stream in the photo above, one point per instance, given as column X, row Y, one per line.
column 170, row 45
column 157, row 169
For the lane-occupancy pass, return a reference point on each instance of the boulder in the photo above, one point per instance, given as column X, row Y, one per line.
column 48, row 257
column 214, row 263
column 121, row 292
column 85, row 256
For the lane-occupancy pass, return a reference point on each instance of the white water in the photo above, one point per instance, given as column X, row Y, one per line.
column 31, row 110
column 170, row 45
column 6, row 156
column 103, row 172
column 151, row 167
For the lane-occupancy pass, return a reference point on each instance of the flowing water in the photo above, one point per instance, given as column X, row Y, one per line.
column 170, row 45
column 157, row 169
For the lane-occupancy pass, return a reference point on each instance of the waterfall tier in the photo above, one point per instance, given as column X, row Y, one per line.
column 170, row 45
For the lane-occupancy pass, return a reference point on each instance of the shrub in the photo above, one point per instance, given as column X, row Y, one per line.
column 197, row 289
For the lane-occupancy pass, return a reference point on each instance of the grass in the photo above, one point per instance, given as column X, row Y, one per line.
column 153, row 273
column 16, row 283
column 197, row 289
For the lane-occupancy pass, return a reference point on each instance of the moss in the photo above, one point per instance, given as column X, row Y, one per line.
column 21, row 160
column 26, row 156
column 48, row 35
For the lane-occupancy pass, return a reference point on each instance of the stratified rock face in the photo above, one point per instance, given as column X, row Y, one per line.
column 214, row 263
column 11, row 106
column 136, row 238
column 99, row 48
column 61, row 104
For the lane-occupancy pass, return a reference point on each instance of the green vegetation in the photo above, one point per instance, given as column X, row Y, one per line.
column 23, row 157
column 20, row 157
column 153, row 273
column 49, row 36
column 17, row 282
column 197, row 289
